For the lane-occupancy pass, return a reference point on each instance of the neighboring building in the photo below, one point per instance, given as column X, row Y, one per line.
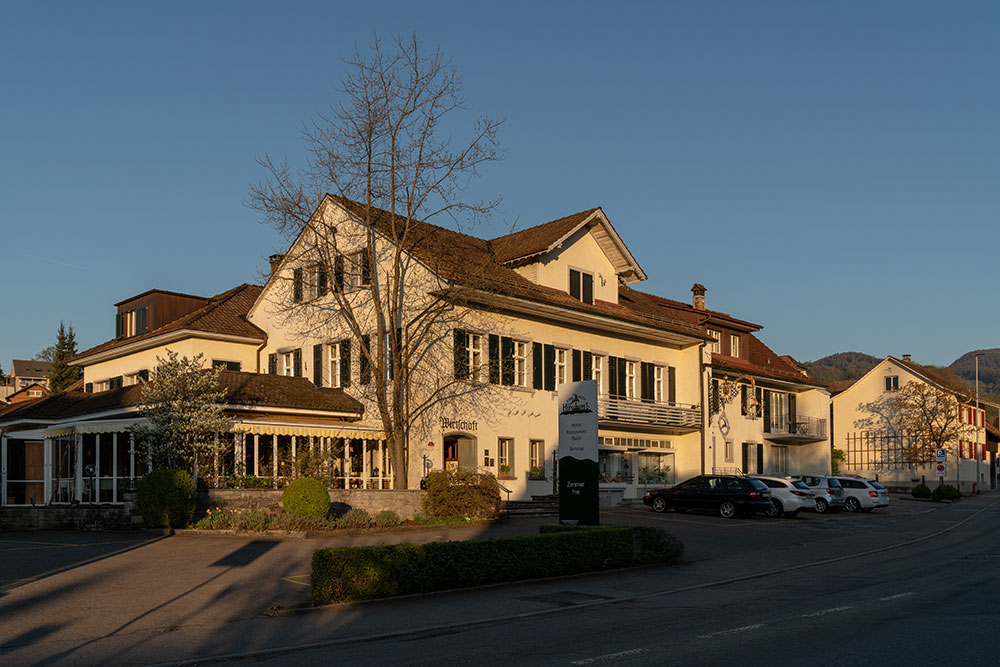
column 32, row 391
column 765, row 414
column 24, row 372
column 879, row 454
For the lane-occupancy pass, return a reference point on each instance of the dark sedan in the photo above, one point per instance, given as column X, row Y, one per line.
column 728, row 495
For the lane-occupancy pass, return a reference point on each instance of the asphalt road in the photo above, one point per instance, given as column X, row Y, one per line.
column 187, row 598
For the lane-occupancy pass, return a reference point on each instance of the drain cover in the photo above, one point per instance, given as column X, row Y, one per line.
column 565, row 598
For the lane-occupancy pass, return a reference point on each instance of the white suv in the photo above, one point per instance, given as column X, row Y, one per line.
column 788, row 496
column 861, row 494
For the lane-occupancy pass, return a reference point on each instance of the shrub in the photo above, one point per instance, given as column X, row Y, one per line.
column 355, row 518
column 921, row 491
column 306, row 497
column 387, row 519
column 946, row 492
column 166, row 499
column 360, row 573
column 652, row 545
column 461, row 493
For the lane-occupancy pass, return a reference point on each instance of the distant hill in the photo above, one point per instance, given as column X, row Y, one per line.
column 844, row 366
column 989, row 369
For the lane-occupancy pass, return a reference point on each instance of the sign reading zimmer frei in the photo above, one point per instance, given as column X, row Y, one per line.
column 578, row 493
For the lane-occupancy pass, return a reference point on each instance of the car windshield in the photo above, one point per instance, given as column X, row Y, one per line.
column 834, row 484
column 877, row 485
column 799, row 485
column 757, row 484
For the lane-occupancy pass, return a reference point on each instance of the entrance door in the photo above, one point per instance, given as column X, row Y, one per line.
column 459, row 452
column 753, row 459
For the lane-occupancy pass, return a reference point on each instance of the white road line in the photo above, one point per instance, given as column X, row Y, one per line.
column 823, row 612
column 609, row 656
column 733, row 631
column 897, row 596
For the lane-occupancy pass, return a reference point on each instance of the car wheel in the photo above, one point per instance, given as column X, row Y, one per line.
column 822, row 507
column 852, row 505
column 727, row 509
column 776, row 509
column 793, row 513
column 659, row 504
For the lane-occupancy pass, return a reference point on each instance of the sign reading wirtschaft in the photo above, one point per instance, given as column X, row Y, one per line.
column 578, row 492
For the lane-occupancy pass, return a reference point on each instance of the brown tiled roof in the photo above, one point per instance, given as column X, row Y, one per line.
column 24, row 368
column 763, row 361
column 942, row 377
column 224, row 313
column 840, row 386
column 469, row 261
column 683, row 311
column 242, row 389
column 537, row 239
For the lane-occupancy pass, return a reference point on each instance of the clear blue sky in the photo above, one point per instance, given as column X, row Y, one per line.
column 827, row 169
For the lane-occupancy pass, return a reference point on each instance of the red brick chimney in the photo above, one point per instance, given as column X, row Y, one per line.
column 275, row 262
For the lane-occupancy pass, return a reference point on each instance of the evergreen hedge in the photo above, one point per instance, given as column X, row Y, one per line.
column 461, row 493
column 306, row 497
column 921, row 491
column 344, row 574
column 945, row 492
column 166, row 499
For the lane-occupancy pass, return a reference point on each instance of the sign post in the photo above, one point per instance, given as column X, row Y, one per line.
column 578, row 492
column 940, row 455
column 939, row 469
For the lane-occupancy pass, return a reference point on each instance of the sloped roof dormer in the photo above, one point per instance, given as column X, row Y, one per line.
column 528, row 245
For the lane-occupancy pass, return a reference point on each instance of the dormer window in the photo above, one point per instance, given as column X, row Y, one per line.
column 716, row 345
column 581, row 286
column 130, row 322
column 734, row 345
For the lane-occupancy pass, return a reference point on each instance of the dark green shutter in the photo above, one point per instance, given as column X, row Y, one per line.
column 140, row 320
column 550, row 367
column 536, row 365
column 791, row 413
column 766, row 409
column 746, row 458
column 588, row 288
column 461, row 355
column 613, row 376
column 671, row 384
column 574, row 284
column 321, row 280
column 366, row 268
column 345, row 363
column 622, row 380
column 297, row 285
column 760, row 459
column 577, row 363
column 89, row 388
column 118, row 325
column 144, row 375
column 318, row 365
column 506, row 360
column 646, row 381
column 272, row 364
column 588, row 368
column 338, row 273
column 297, row 362
column 494, row 351
column 365, row 361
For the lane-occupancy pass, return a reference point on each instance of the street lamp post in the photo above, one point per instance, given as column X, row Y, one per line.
column 976, row 417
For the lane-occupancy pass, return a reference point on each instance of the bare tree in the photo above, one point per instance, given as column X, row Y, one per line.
column 387, row 156
column 914, row 422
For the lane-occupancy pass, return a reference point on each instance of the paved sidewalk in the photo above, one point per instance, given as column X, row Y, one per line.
column 189, row 597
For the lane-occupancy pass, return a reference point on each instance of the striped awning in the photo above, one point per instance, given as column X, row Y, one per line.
column 56, row 432
column 307, row 431
column 106, row 427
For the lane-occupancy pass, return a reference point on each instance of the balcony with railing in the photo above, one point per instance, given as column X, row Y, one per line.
column 796, row 430
column 660, row 417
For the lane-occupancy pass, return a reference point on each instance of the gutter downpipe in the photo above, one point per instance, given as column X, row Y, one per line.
column 704, row 403
column 259, row 350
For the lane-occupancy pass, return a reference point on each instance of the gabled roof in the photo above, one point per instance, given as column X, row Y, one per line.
column 16, row 396
column 224, row 313
column 685, row 311
column 242, row 389
column 763, row 361
column 931, row 376
column 25, row 368
column 520, row 246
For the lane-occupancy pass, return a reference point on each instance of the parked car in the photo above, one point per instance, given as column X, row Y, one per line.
column 829, row 492
column 726, row 494
column 788, row 496
column 861, row 494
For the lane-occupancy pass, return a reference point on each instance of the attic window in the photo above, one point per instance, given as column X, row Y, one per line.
column 581, row 286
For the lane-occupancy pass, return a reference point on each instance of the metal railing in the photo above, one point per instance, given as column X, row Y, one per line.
column 684, row 415
column 813, row 427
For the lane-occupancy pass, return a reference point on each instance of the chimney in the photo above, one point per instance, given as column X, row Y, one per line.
column 275, row 261
column 906, row 358
column 698, row 299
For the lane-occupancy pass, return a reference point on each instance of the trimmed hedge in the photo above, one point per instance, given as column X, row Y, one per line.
column 945, row 492
column 921, row 491
column 652, row 545
column 166, row 499
column 345, row 574
column 461, row 493
column 306, row 497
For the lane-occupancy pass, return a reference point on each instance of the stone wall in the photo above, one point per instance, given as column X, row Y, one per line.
column 72, row 517
column 406, row 504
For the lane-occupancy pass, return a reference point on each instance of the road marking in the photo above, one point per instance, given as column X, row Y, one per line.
column 897, row 596
column 831, row 610
column 608, row 656
column 295, row 579
column 733, row 631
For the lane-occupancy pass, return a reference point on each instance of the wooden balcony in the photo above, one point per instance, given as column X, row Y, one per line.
column 639, row 415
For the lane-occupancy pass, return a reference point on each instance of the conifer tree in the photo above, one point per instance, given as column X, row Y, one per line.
column 62, row 374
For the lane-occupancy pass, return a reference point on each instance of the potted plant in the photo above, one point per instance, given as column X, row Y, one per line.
column 504, row 470
column 535, row 472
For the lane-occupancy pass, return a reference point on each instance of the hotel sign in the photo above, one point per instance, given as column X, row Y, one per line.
column 578, row 491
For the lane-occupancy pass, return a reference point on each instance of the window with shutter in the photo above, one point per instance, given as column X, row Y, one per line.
column 461, row 355
column 494, row 359
column 318, row 364
column 297, row 362
column 574, row 283
column 536, row 365
column 646, row 382
column 297, row 285
column 365, row 360
column 338, row 272
column 272, row 364
column 671, row 384
column 506, row 360
column 118, row 325
column 588, row 367
column 549, row 352
column 588, row 288
column 345, row 363
column 613, row 377
column 581, row 286
column 321, row 280
column 140, row 320
column 577, row 365
column 366, row 269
